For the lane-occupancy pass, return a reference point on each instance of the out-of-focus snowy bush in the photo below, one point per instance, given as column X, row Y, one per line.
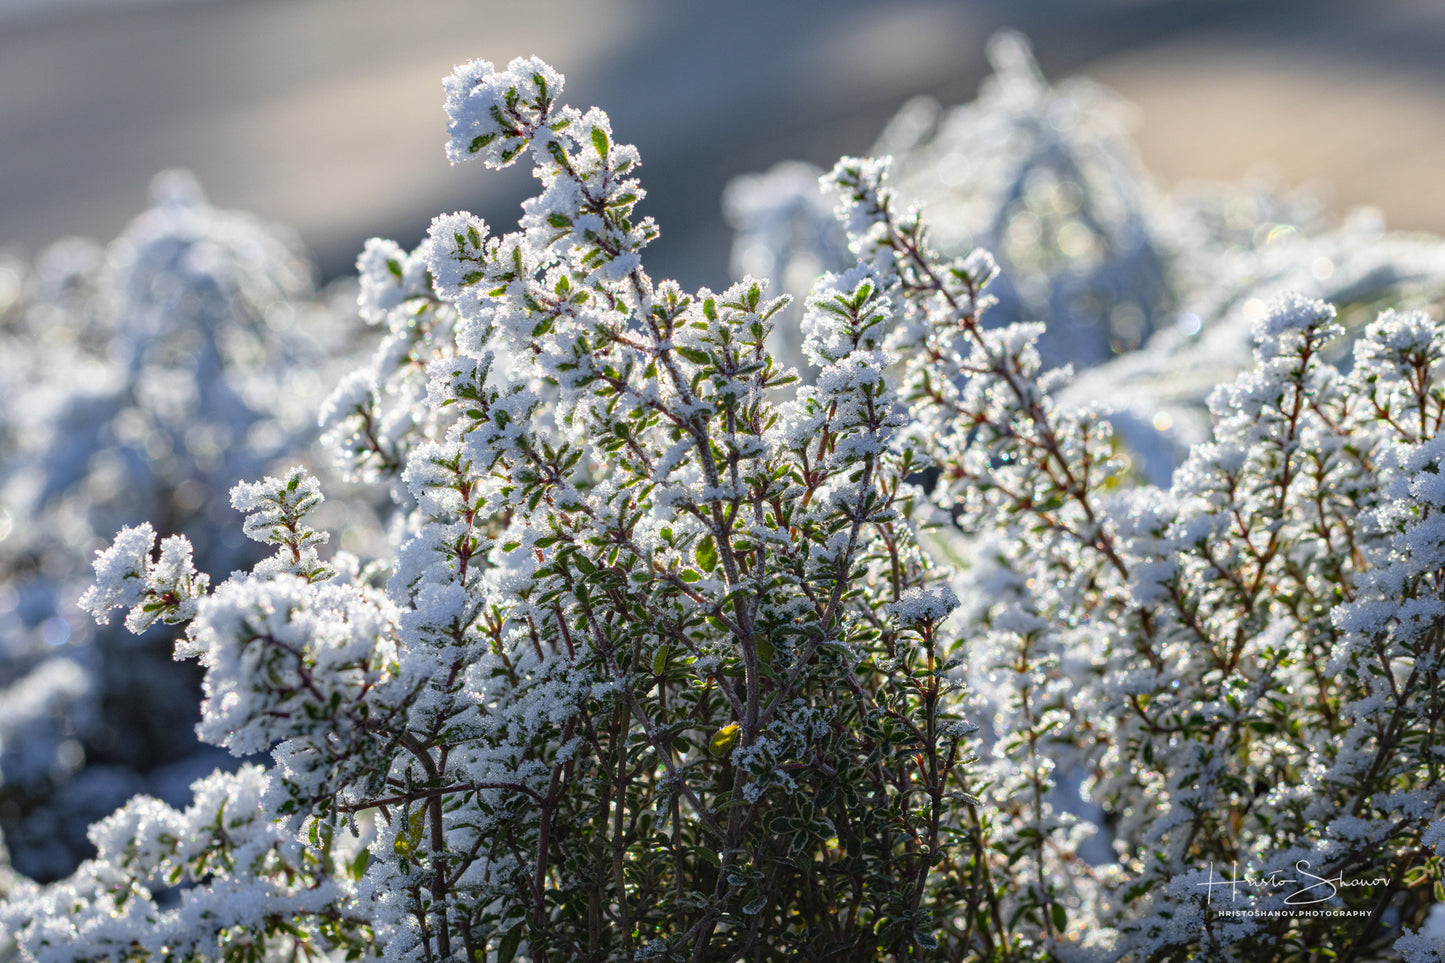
column 140, row 380
column 1158, row 395
column 1156, row 290
column 1045, row 178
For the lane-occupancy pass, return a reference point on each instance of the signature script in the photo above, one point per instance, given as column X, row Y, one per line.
column 1319, row 890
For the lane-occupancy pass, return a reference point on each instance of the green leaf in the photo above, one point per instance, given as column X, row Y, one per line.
column 508, row 948
column 707, row 554
column 599, row 141
column 1060, row 917
column 723, row 741
column 766, row 652
column 1137, row 890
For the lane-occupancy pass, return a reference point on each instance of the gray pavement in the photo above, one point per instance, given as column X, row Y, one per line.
column 326, row 114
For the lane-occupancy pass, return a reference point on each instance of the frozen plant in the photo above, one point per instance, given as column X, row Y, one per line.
column 1158, row 395
column 664, row 670
column 1047, row 178
column 140, row 380
column 1157, row 288
column 1244, row 666
column 596, row 710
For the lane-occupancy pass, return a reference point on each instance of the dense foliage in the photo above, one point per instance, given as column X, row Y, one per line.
column 663, row 668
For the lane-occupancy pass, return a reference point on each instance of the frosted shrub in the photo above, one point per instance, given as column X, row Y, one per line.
column 1046, row 178
column 662, row 668
column 141, row 379
column 1158, row 288
column 1158, row 396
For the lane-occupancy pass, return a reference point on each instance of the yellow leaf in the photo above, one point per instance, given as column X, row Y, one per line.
column 409, row 841
column 723, row 741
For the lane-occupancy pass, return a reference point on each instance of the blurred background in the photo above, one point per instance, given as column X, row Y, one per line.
column 142, row 376
column 326, row 114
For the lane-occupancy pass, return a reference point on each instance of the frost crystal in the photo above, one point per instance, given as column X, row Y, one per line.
column 925, row 605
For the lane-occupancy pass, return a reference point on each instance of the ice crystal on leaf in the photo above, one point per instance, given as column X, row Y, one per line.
column 496, row 114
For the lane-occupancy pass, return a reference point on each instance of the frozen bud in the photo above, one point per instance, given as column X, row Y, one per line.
column 927, row 606
column 120, row 573
column 493, row 114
